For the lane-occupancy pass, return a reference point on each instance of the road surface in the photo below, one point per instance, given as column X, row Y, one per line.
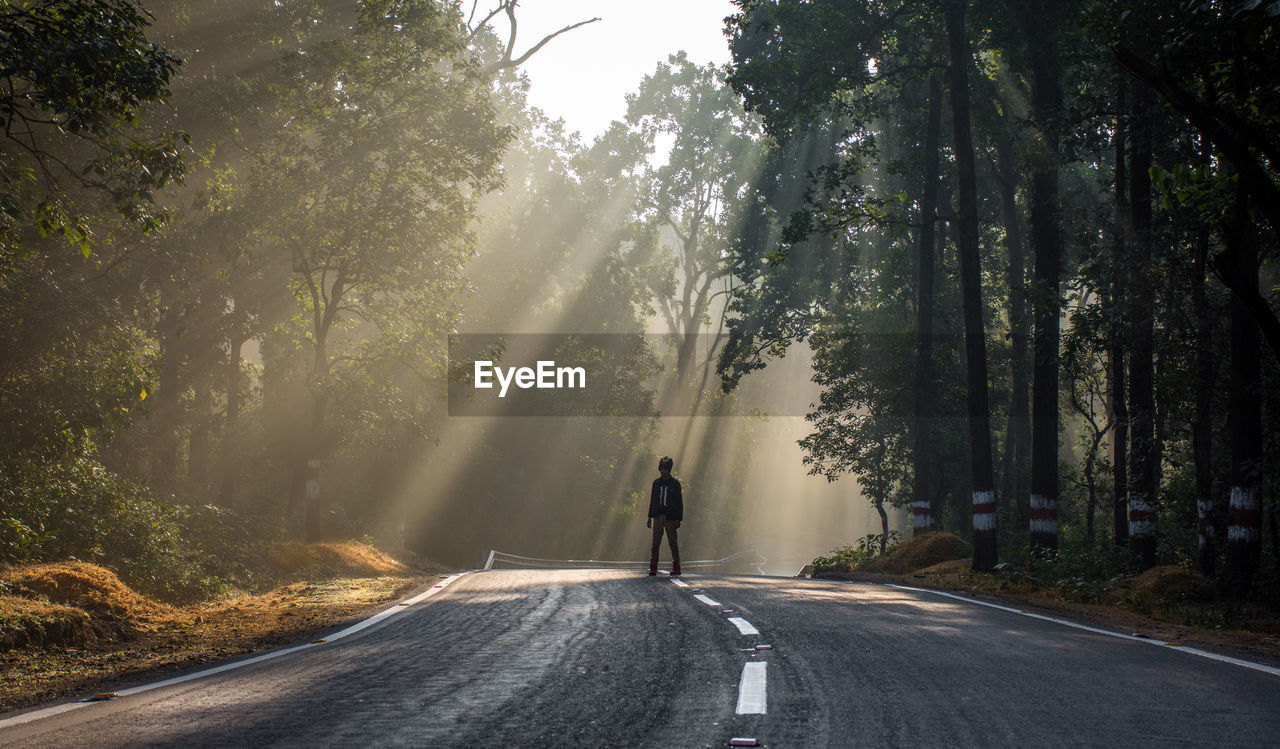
column 606, row 658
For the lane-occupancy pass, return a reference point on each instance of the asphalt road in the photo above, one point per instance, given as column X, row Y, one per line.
column 615, row 659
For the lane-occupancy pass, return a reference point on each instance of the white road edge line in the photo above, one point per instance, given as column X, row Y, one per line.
column 706, row 600
column 745, row 627
column 752, row 688
column 1150, row 641
column 357, row 627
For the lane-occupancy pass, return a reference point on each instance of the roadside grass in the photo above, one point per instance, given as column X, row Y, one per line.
column 71, row 628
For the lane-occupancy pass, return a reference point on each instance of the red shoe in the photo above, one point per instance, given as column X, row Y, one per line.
column 675, row 570
column 653, row 569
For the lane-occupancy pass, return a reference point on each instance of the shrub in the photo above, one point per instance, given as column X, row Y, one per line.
column 850, row 557
column 75, row 508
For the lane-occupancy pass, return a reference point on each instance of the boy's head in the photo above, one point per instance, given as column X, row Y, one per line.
column 665, row 465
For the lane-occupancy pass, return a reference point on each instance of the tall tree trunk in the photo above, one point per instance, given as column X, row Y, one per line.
column 201, row 418
column 922, row 520
column 316, row 440
column 1142, row 488
column 168, row 398
column 884, row 524
column 1202, row 427
column 1244, row 519
column 982, row 482
column 1116, row 342
column 231, row 430
column 1046, row 102
column 1017, row 457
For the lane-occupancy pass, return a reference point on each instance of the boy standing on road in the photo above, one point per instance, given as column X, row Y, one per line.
column 666, row 510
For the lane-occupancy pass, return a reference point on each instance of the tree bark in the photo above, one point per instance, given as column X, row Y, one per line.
column 201, row 418
column 922, row 510
column 1017, row 457
column 884, row 524
column 168, row 401
column 1244, row 519
column 966, row 229
column 1116, row 343
column 1235, row 147
column 1046, row 239
column 1202, row 427
column 231, row 429
column 1142, row 489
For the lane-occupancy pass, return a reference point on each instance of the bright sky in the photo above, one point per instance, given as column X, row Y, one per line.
column 583, row 75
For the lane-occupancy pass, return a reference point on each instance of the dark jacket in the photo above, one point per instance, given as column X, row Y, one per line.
column 674, row 509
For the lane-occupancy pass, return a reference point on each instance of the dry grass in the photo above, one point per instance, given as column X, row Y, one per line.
column 920, row 552
column 72, row 628
column 1172, row 582
column 348, row 558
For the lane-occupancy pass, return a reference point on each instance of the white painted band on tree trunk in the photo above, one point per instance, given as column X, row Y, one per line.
column 984, row 521
column 1140, row 503
column 1044, row 525
column 1142, row 527
column 1244, row 534
column 313, row 479
column 1204, row 509
column 1041, row 502
column 1245, row 499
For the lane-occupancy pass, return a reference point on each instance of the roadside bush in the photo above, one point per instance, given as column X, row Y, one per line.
column 75, row 508
column 851, row 556
column 1081, row 569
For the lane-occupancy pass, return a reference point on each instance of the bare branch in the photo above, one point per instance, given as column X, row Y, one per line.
column 507, row 62
column 511, row 36
column 485, row 21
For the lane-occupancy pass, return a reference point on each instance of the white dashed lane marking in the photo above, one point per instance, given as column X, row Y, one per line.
column 706, row 600
column 752, row 698
column 745, row 627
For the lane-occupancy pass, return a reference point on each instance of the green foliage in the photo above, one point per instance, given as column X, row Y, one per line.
column 71, row 362
column 1082, row 569
column 76, row 508
column 852, row 556
column 80, row 73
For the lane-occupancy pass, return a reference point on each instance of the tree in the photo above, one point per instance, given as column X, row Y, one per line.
column 787, row 59
column 79, row 74
column 390, row 138
column 1042, row 25
column 982, row 482
column 696, row 198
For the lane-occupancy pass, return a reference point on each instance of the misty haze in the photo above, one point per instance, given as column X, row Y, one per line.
column 587, row 373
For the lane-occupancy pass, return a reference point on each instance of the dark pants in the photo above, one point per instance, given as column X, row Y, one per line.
column 660, row 523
